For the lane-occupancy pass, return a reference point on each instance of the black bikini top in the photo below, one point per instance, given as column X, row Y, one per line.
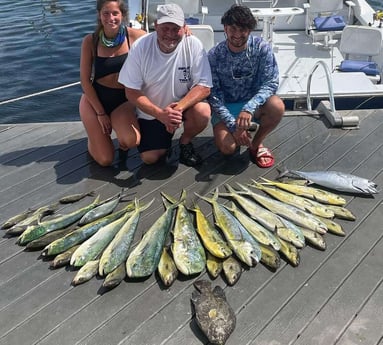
column 104, row 66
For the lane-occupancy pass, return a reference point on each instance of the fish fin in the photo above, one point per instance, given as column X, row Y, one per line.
column 218, row 291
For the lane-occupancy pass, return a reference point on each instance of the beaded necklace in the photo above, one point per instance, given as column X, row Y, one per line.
column 114, row 42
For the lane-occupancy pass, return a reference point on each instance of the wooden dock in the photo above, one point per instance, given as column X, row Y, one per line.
column 333, row 297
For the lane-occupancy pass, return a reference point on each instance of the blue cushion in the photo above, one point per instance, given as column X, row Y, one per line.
column 368, row 67
column 191, row 21
column 332, row 23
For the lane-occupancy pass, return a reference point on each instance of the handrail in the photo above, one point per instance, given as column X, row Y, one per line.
column 329, row 84
column 38, row 93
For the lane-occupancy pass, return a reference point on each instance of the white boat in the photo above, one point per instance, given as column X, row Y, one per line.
column 308, row 59
column 334, row 296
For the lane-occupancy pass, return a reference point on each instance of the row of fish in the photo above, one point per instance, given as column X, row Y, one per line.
column 255, row 228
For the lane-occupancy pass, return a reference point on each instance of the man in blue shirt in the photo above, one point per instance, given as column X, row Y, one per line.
column 245, row 80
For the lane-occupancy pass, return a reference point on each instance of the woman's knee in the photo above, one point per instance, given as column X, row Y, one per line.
column 104, row 160
column 129, row 142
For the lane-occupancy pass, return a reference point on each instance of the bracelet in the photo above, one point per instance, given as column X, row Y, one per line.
column 101, row 114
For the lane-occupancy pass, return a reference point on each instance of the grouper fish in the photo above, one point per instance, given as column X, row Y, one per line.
column 213, row 314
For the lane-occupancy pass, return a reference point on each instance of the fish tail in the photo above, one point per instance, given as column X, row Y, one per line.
column 244, row 188
column 183, row 195
column 283, row 171
column 230, row 208
column 167, row 200
column 144, row 207
column 255, row 184
column 194, row 207
column 266, row 181
column 229, row 188
column 210, row 200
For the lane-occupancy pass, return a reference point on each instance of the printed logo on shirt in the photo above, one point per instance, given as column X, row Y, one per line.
column 184, row 74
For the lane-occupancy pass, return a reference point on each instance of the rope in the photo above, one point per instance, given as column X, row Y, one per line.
column 39, row 93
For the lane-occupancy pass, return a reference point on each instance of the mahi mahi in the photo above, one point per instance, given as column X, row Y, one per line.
column 244, row 246
column 144, row 258
column 35, row 231
column 211, row 238
column 268, row 219
column 118, row 249
column 188, row 252
column 312, row 193
column 81, row 234
column 289, row 212
column 302, row 203
column 95, row 245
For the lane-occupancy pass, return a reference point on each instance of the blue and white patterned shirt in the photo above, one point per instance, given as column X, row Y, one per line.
column 250, row 77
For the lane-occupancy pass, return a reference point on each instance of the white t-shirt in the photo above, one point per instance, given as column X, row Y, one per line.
column 165, row 78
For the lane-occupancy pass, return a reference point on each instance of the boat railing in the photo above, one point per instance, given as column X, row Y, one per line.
column 329, row 85
column 329, row 109
column 38, row 93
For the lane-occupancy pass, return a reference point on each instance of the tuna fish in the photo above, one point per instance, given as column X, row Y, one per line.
column 339, row 181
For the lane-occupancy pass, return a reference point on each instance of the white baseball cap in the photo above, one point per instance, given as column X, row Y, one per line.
column 170, row 13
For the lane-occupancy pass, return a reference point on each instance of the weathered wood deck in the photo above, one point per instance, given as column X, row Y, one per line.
column 332, row 297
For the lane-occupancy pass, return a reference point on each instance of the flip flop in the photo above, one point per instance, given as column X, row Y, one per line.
column 262, row 152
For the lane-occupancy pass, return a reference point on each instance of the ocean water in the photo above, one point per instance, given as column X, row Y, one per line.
column 40, row 43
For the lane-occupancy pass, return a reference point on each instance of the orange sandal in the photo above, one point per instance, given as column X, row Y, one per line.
column 262, row 152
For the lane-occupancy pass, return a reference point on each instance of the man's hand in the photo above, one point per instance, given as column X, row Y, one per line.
column 242, row 137
column 244, row 120
column 171, row 118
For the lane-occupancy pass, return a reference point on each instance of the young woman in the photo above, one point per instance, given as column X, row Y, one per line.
column 103, row 105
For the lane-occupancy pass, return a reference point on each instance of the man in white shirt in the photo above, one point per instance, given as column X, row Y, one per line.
column 167, row 77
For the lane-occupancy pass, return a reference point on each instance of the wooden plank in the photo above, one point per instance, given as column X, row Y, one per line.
column 366, row 327
column 43, row 308
column 311, row 285
column 352, row 292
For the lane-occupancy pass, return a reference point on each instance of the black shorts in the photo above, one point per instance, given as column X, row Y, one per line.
column 154, row 136
column 109, row 98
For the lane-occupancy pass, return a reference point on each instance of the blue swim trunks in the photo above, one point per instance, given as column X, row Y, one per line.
column 234, row 108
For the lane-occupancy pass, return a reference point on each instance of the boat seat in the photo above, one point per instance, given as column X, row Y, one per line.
column 191, row 8
column 205, row 34
column 257, row 3
column 324, row 19
column 358, row 45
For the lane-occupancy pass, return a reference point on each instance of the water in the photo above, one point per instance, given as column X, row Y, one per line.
column 40, row 45
column 40, row 49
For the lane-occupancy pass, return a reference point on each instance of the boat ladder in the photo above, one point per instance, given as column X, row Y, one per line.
column 327, row 108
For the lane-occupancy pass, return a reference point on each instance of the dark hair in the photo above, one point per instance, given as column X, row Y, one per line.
column 122, row 6
column 240, row 16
